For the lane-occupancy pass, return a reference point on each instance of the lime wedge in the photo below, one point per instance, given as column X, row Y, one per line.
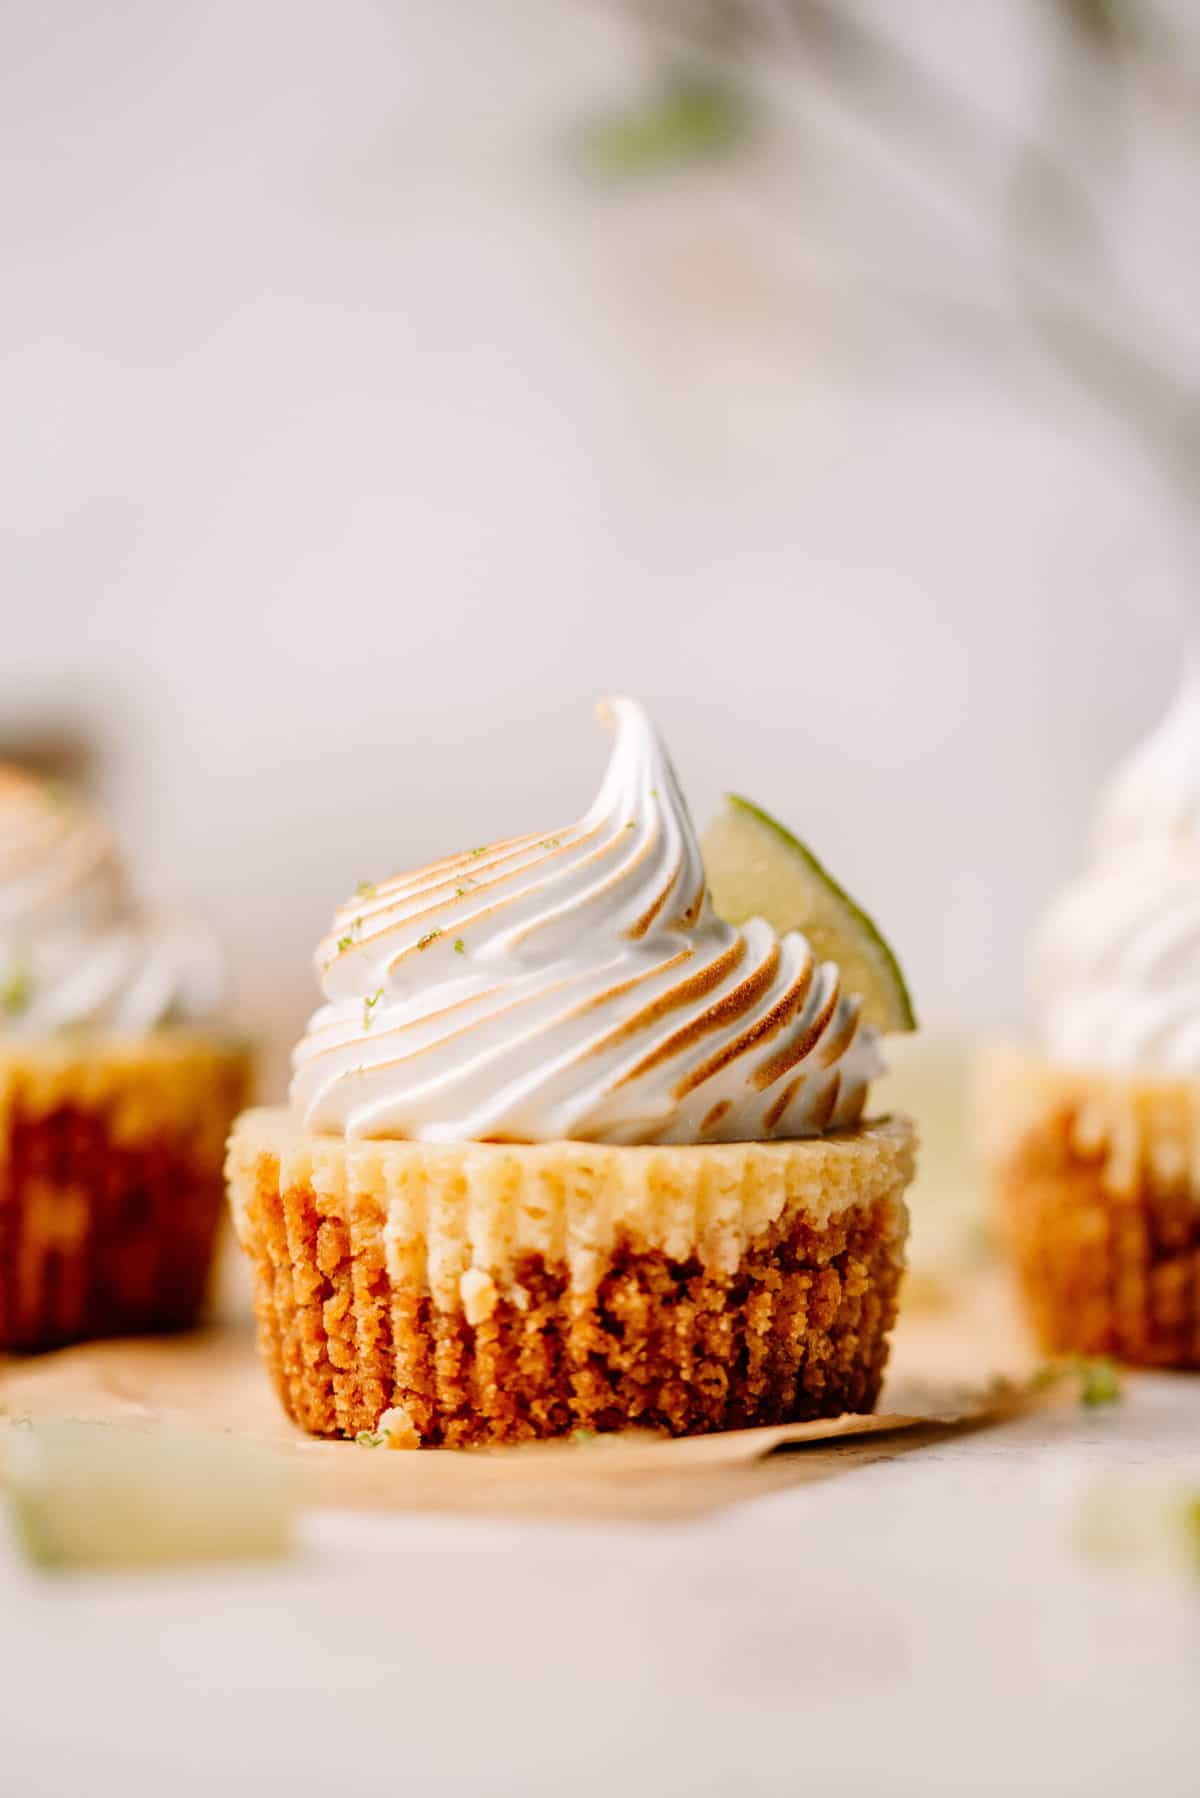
column 757, row 869
column 119, row 1495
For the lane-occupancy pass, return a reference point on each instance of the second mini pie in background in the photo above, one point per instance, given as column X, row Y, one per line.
column 118, row 1085
column 1094, row 1137
column 567, row 1150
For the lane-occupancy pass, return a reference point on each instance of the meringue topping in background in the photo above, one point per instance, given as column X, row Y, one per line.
column 1154, row 797
column 75, row 949
column 1117, row 961
column 577, row 984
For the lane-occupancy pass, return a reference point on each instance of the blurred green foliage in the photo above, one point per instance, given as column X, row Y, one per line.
column 687, row 116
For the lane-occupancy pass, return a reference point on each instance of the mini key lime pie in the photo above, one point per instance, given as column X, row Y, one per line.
column 116, row 1090
column 568, row 1150
column 1094, row 1141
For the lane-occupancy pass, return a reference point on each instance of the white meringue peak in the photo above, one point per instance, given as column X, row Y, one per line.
column 577, row 984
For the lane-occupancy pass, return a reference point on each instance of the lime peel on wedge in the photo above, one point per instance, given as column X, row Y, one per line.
column 757, row 869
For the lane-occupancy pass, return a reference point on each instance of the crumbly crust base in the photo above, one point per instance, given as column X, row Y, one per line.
column 111, row 1186
column 679, row 1290
column 1097, row 1178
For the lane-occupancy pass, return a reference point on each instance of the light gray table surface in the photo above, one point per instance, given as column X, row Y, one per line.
column 927, row 1624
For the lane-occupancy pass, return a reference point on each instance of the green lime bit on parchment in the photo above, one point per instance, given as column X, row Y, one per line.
column 1098, row 1381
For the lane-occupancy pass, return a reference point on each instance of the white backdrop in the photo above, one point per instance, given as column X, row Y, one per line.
column 350, row 446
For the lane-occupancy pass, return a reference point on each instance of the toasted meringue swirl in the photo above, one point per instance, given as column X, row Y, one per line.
column 1117, row 960
column 75, row 951
column 577, row 984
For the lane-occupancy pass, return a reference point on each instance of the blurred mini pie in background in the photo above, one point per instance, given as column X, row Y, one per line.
column 1094, row 1139
column 571, row 1147
column 117, row 1086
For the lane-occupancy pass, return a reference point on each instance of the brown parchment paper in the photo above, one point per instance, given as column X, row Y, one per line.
column 963, row 1367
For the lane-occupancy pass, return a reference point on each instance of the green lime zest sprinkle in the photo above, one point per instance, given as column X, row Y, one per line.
column 1191, row 1525
column 369, row 1006
column 365, row 889
column 1099, row 1382
column 345, row 942
column 549, row 843
column 370, row 1439
column 482, row 850
column 460, row 948
column 57, row 791
column 16, row 990
column 430, row 936
column 582, row 1435
column 631, row 825
column 654, row 792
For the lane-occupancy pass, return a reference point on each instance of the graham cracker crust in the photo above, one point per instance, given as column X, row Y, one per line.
column 371, row 1304
column 111, row 1188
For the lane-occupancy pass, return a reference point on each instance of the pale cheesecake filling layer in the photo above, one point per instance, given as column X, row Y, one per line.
column 456, row 1215
column 1117, row 961
column 76, row 951
column 577, row 984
